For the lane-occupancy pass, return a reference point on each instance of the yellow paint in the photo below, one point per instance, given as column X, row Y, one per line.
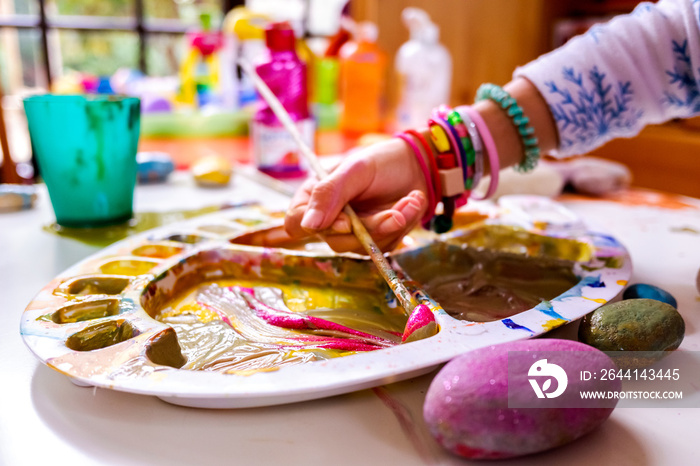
column 248, row 372
column 622, row 282
column 142, row 221
column 596, row 300
column 157, row 376
column 505, row 238
column 202, row 313
column 554, row 323
column 269, row 348
column 128, row 267
column 298, row 298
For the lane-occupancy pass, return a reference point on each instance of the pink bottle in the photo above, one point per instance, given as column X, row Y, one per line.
column 275, row 152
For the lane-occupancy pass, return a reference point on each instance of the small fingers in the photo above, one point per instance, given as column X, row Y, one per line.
column 387, row 228
column 317, row 205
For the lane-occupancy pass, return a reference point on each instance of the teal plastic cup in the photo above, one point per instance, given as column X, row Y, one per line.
column 85, row 147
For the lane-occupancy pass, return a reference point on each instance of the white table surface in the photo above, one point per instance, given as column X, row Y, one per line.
column 45, row 419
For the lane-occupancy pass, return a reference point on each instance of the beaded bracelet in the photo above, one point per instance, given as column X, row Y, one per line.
column 449, row 162
column 432, row 201
column 459, row 151
column 450, row 170
column 472, row 147
column 475, row 142
column 490, row 146
column 440, row 116
column 521, row 122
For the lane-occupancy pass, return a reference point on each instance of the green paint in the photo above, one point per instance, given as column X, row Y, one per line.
column 142, row 221
column 101, row 335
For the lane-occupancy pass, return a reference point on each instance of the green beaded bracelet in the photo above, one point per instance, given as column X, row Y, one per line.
column 531, row 146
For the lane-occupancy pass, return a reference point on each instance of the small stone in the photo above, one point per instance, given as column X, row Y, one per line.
column 467, row 408
column 212, row 171
column 154, row 167
column 14, row 197
column 647, row 327
column 644, row 291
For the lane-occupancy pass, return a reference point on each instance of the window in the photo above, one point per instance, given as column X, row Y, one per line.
column 43, row 39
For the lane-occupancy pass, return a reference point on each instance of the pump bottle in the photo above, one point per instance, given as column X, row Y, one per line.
column 424, row 69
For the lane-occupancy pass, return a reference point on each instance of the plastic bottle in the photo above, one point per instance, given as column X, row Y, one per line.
column 327, row 75
column 247, row 28
column 362, row 82
column 424, row 68
column 275, row 152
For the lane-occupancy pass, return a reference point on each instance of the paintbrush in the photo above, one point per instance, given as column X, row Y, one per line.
column 420, row 316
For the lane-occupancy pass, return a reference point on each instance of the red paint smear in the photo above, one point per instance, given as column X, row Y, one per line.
column 408, row 425
column 478, row 453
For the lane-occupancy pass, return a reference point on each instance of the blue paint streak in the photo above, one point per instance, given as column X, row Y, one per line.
column 546, row 307
column 512, row 325
column 603, row 240
column 577, row 290
column 597, row 284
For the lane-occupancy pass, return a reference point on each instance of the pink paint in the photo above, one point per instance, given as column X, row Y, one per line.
column 222, row 315
column 418, row 438
column 420, row 318
column 292, row 320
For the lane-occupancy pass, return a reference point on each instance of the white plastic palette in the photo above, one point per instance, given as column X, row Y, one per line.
column 94, row 321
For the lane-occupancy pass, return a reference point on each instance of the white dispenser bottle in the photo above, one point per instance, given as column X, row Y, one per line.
column 424, row 69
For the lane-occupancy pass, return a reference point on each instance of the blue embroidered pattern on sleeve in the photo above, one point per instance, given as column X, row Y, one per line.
column 682, row 77
column 594, row 109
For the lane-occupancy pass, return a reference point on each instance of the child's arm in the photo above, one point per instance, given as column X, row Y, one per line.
column 638, row 69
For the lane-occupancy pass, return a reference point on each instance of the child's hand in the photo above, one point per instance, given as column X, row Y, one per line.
column 383, row 183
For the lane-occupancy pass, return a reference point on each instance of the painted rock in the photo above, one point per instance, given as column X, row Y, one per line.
column 467, row 405
column 154, row 167
column 641, row 325
column 15, row 197
column 642, row 290
column 212, row 170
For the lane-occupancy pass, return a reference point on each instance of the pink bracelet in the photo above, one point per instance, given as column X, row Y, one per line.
column 490, row 144
column 434, row 170
column 432, row 203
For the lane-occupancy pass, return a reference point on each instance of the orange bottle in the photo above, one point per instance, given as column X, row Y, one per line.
column 362, row 82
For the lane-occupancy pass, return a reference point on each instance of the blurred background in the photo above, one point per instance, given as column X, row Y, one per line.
column 140, row 47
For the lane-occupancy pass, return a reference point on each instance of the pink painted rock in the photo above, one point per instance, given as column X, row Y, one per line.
column 467, row 405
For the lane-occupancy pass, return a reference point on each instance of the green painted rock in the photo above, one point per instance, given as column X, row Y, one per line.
column 645, row 326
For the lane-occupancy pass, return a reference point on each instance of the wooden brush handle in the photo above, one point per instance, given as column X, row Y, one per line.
column 402, row 294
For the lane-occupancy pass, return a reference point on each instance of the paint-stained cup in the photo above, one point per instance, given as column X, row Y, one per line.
column 85, row 147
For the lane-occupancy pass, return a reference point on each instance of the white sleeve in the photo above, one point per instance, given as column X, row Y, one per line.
column 637, row 69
